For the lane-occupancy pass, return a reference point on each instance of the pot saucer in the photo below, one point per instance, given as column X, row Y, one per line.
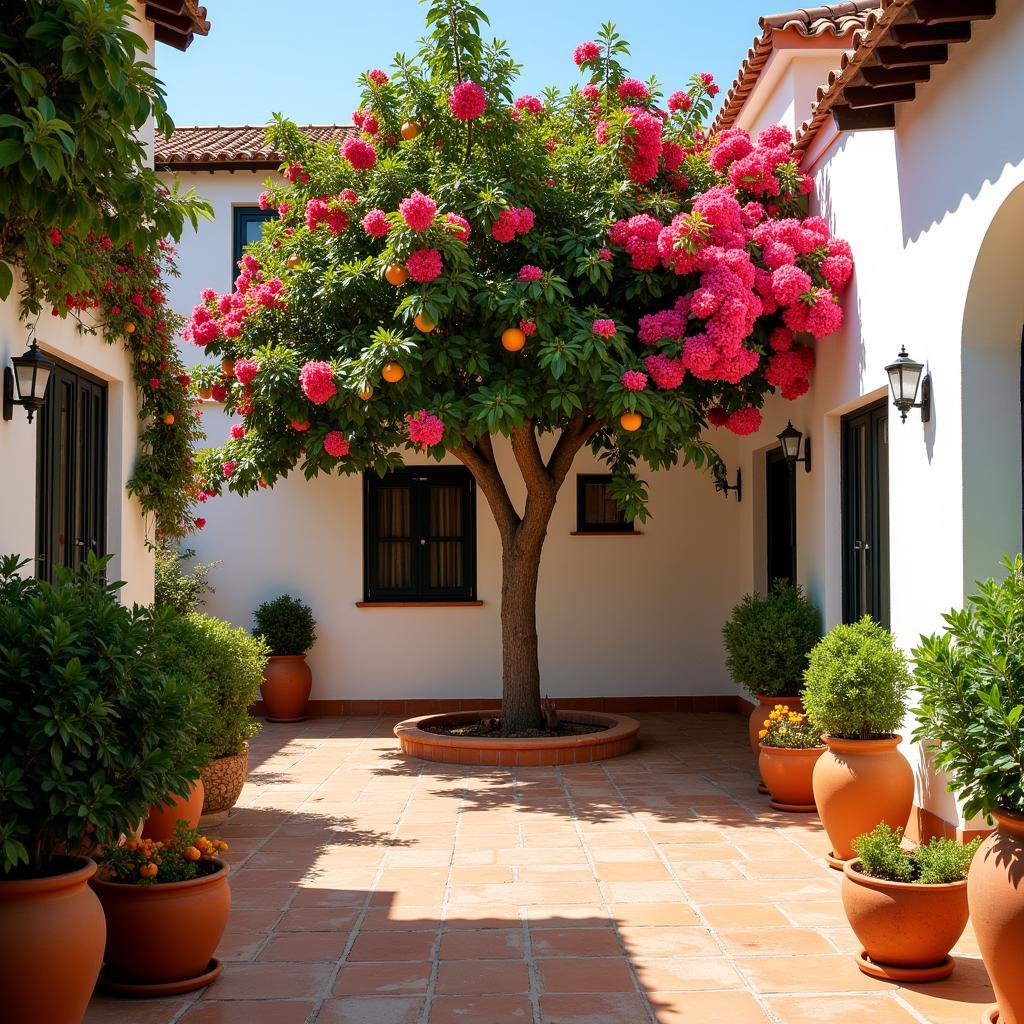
column 301, row 718
column 110, row 982
column 834, row 862
column 888, row 972
column 794, row 808
column 990, row 1015
column 762, row 788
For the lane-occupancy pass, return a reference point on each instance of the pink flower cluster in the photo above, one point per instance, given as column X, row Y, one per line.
column 643, row 144
column 425, row 429
column 335, row 444
column 529, row 103
column 586, row 53
column 679, row 100
column 237, row 431
column 752, row 168
column 516, row 221
column 377, row 77
column 633, row 89
column 459, row 226
column 639, row 237
column 424, row 265
column 246, row 370
column 326, row 211
column 224, row 316
column 467, row 101
column 634, row 380
column 359, row 153
column 294, row 173
column 789, row 370
column 667, row 373
column 376, row 224
column 604, row 328
column 317, row 380
column 528, row 272
column 418, row 211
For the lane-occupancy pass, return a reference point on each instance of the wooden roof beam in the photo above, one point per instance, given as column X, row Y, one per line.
column 862, row 96
column 850, row 119
column 923, row 35
column 875, row 74
column 897, row 57
column 934, row 12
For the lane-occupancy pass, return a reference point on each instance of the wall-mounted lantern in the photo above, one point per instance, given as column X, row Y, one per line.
column 790, row 439
column 722, row 484
column 905, row 379
column 28, row 379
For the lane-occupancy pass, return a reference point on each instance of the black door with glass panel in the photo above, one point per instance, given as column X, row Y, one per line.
column 865, row 483
column 420, row 535
column 71, row 471
column 780, row 517
column 247, row 227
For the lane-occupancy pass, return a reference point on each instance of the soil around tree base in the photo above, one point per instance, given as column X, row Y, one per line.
column 490, row 728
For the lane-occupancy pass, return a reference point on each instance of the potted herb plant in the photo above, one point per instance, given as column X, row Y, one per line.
column 92, row 731
column 767, row 640
column 856, row 695
column 166, row 905
column 907, row 909
column 224, row 665
column 971, row 683
column 289, row 630
column 790, row 748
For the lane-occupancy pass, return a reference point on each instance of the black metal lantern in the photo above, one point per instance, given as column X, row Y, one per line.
column 905, row 377
column 790, row 439
column 28, row 379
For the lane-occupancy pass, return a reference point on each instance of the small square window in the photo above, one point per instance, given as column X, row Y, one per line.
column 247, row 226
column 596, row 508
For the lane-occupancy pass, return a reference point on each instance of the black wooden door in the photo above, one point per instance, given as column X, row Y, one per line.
column 865, row 483
column 71, row 471
column 780, row 517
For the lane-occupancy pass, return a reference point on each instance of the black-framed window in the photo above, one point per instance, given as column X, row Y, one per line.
column 247, row 226
column 596, row 508
column 419, row 528
column 71, row 471
column 780, row 517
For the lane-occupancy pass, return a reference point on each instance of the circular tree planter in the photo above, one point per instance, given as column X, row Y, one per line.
column 619, row 737
column 223, row 779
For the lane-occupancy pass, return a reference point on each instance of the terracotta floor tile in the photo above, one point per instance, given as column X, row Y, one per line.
column 381, row 946
column 111, row 1010
column 640, row 915
column 816, row 914
column 745, row 915
column 706, row 1008
column 384, row 979
column 669, row 942
column 555, row 942
column 240, row 946
column 632, row 871
column 836, row 973
column 338, row 919
column 490, row 944
column 581, row 915
column 457, row 977
column 305, row 947
column 270, row 981
column 685, row 975
column 405, row 918
column 244, row 1011
column 588, row 1008
column 876, row 1009
column 371, row 1010
column 590, row 974
column 480, row 1009
column 774, row 941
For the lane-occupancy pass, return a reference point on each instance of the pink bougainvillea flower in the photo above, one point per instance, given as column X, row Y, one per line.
column 634, row 380
column 359, row 153
column 227, row 468
column 418, row 211
column 199, row 522
column 424, row 265
column 527, row 272
column 717, row 416
column 376, row 223
column 745, row 421
column 317, row 380
column 377, row 77
column 825, row 316
column 295, row 173
column 300, row 425
column 336, row 445
column 586, row 52
column 528, row 327
column 425, row 429
column 467, row 101
column 633, row 89
column 529, row 103
column 604, row 328
column 590, row 92
column 246, row 370
column 604, row 254
column 237, row 431
column 459, row 226
column 680, row 100
column 667, row 373
column 55, row 237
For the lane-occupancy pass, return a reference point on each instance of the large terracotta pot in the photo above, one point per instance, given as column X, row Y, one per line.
column 162, row 937
column 995, row 892
column 857, row 785
column 162, row 821
column 760, row 715
column 223, row 779
column 287, row 682
column 787, row 774
column 51, row 945
column 906, row 930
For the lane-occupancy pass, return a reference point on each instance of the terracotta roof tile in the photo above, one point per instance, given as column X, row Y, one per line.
column 231, row 147
column 826, row 21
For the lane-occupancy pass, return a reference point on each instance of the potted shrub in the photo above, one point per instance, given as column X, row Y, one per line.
column 856, row 695
column 767, row 640
column 166, row 905
column 92, row 731
column 289, row 629
column 971, row 715
column 790, row 748
column 907, row 909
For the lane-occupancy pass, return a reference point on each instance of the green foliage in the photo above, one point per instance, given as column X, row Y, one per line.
column 223, row 665
column 939, row 862
column 857, row 682
column 971, row 683
column 176, row 587
column 286, row 624
column 184, row 856
column 93, row 729
column 767, row 640
column 789, row 730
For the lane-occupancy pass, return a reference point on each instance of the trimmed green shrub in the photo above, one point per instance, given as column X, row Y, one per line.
column 223, row 664
column 971, row 683
column 944, row 860
column 175, row 587
column 882, row 856
column 767, row 640
column 93, row 727
column 286, row 624
column 857, row 682
column 938, row 862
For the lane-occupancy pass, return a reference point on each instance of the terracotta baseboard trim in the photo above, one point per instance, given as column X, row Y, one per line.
column 744, row 707
column 925, row 825
column 413, row 707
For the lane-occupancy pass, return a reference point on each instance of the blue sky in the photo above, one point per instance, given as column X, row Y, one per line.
column 302, row 58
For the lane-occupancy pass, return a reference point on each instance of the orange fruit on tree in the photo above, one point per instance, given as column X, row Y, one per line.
column 205, row 392
column 169, row 418
column 410, row 129
column 630, row 421
column 425, row 322
column 392, row 373
column 366, row 394
column 148, row 871
column 396, row 275
column 512, row 339
column 227, row 366
column 293, row 261
column 129, row 328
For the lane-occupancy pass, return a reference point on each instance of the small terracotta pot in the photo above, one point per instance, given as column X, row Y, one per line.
column 995, row 892
column 163, row 935
column 162, row 821
column 287, row 682
column 760, row 715
column 906, row 930
column 51, row 944
column 223, row 779
column 857, row 785
column 787, row 774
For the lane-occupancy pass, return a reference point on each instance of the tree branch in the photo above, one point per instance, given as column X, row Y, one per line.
column 531, row 463
column 580, row 429
column 479, row 460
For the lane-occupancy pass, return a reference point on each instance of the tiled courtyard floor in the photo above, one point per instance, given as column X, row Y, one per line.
column 369, row 888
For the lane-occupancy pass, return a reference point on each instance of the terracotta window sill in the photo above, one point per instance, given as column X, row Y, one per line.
column 419, row 604
column 605, row 533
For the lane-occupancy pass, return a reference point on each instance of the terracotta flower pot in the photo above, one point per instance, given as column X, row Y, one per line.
column 906, row 930
column 857, row 785
column 760, row 715
column 787, row 774
column 163, row 820
column 161, row 938
column 287, row 682
column 51, row 945
column 223, row 779
column 995, row 892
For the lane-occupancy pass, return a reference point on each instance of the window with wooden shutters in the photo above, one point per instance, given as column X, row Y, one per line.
column 247, row 227
column 596, row 508
column 420, row 535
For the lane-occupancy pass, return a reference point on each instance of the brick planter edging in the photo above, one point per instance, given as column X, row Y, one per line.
column 619, row 738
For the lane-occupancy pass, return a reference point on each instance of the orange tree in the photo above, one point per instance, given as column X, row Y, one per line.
column 583, row 268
